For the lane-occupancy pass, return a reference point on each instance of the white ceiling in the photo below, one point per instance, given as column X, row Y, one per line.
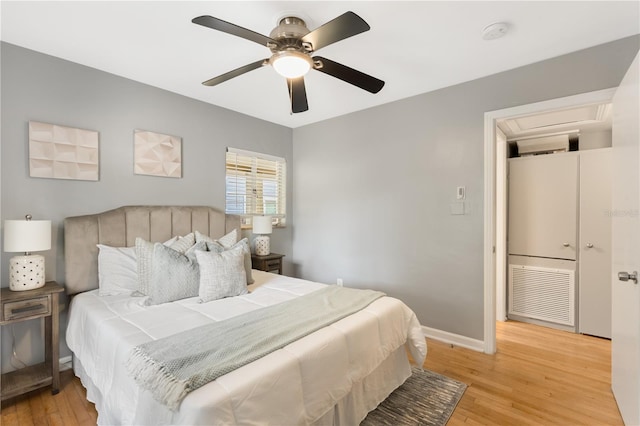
column 415, row 47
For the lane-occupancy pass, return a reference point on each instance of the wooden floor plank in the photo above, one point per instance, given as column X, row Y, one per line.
column 23, row 409
column 48, row 403
column 10, row 419
column 37, row 410
column 87, row 406
column 54, row 419
column 77, row 403
column 539, row 376
column 64, row 410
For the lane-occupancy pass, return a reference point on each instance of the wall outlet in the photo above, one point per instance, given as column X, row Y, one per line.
column 339, row 282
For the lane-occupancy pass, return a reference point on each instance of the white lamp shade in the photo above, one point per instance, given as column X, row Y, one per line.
column 27, row 235
column 262, row 225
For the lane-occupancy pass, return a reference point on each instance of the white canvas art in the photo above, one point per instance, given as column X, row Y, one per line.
column 157, row 154
column 61, row 152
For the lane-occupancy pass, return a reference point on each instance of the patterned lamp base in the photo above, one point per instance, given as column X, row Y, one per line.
column 262, row 245
column 26, row 272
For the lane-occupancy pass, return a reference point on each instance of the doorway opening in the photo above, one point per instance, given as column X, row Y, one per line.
column 495, row 204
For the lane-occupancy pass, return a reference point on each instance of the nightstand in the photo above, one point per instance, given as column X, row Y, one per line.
column 19, row 306
column 268, row 263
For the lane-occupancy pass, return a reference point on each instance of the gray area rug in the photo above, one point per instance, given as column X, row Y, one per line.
column 426, row 398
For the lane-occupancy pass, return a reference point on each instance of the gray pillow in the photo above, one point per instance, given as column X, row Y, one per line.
column 174, row 275
column 226, row 241
column 221, row 274
column 244, row 243
column 144, row 252
column 182, row 244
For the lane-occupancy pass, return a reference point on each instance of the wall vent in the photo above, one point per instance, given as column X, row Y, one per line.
column 542, row 293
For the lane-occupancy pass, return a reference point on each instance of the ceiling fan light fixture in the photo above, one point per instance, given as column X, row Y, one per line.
column 291, row 63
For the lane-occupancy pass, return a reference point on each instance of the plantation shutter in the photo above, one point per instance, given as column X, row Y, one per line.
column 255, row 185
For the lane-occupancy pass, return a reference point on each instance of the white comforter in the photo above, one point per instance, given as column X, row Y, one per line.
column 299, row 384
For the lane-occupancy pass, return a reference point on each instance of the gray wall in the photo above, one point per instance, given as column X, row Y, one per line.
column 38, row 87
column 373, row 189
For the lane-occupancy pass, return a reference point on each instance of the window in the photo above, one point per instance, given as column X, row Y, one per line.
column 255, row 185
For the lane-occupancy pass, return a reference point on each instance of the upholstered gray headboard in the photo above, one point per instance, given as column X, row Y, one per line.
column 121, row 226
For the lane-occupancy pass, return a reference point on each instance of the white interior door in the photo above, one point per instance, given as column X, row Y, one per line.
column 595, row 243
column 625, row 347
column 543, row 205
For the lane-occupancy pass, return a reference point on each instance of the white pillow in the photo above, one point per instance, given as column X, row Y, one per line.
column 221, row 274
column 117, row 267
column 117, row 270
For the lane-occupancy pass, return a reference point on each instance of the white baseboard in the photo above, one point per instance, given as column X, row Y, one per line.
column 65, row 363
column 453, row 339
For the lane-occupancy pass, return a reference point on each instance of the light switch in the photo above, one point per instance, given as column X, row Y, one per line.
column 460, row 193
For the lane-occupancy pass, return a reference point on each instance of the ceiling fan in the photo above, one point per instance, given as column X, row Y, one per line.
column 292, row 44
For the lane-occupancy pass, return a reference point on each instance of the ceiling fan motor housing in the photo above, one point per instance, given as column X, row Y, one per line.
column 289, row 33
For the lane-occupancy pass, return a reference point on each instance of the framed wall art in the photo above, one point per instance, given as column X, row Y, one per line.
column 61, row 152
column 156, row 154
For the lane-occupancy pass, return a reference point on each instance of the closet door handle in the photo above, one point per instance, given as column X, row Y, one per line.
column 589, row 245
column 626, row 276
column 565, row 244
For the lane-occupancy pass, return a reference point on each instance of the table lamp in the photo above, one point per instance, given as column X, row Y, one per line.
column 26, row 272
column 262, row 228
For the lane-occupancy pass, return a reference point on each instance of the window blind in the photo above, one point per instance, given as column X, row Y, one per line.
column 255, row 185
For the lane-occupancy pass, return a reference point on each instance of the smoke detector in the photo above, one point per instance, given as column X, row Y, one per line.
column 495, row 30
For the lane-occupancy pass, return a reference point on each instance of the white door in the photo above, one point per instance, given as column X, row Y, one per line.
column 543, row 205
column 625, row 347
column 595, row 243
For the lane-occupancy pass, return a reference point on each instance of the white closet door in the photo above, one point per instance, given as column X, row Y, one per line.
column 595, row 242
column 543, row 194
column 625, row 243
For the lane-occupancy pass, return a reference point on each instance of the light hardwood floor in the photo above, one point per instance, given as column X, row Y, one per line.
column 539, row 376
column 39, row 407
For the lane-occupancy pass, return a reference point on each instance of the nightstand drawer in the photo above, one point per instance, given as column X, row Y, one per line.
column 27, row 308
column 269, row 263
column 273, row 264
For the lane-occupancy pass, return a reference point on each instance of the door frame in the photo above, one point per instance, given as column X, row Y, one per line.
column 494, row 177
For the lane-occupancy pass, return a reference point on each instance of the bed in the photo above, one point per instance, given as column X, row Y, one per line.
column 332, row 376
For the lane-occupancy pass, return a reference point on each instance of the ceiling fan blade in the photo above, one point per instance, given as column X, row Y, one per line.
column 229, row 28
column 344, row 73
column 344, row 26
column 238, row 71
column 298, row 94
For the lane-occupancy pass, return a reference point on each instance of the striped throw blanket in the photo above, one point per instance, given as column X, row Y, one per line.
column 173, row 366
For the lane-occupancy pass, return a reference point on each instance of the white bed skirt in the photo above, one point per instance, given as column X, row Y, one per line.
column 350, row 410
